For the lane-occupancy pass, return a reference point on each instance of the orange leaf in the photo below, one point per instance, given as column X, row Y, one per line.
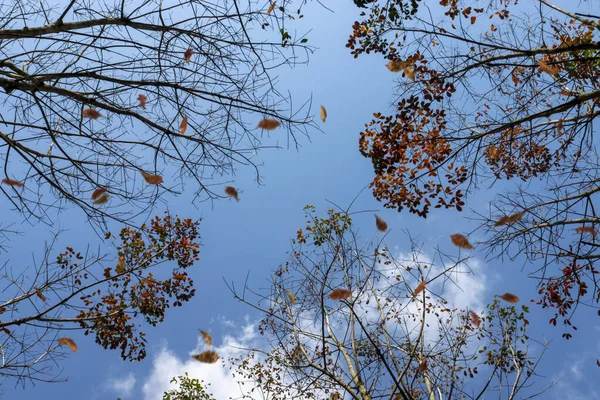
column 142, row 99
column 291, row 296
column 502, row 221
column 271, row 8
column 121, row 264
column 396, row 66
column 492, row 152
column 207, row 338
column 268, row 124
column 554, row 71
column 323, row 114
column 12, row 182
column 586, row 229
column 152, row 179
column 188, row 55
column 40, row 294
column 515, row 217
column 509, row 297
column 473, row 19
column 461, row 241
column 232, row 192
column 183, row 125
column 65, row 341
column 103, row 198
column 208, row 356
column 381, row 224
column 410, row 73
column 91, row 113
column 475, row 320
column 419, row 288
column 422, row 366
column 98, row 192
column 340, row 294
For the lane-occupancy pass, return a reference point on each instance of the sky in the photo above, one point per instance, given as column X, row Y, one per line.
column 247, row 240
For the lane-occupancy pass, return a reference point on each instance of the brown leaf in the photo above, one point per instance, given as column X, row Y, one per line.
column 142, row 99
column 410, row 73
column 271, row 8
column 268, row 124
column 91, row 113
column 492, row 151
column 183, row 125
column 152, row 179
column 419, row 288
column 586, row 229
column 323, row 114
column 502, row 221
column 121, row 264
column 232, row 192
column 103, row 198
column 396, row 66
column 98, row 192
column 340, row 294
column 509, row 297
column 12, row 182
column 40, row 294
column 422, row 366
column 461, row 241
column 187, row 56
column 208, row 356
column 5, row 330
column 207, row 338
column 291, row 296
column 475, row 320
column 381, row 224
column 544, row 67
column 65, row 341
column 515, row 217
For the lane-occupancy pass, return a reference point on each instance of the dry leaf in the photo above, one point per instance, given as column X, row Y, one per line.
column 232, row 192
column 12, row 182
column 271, row 8
column 142, row 99
column 152, row 179
column 208, row 356
column 554, row 71
column 410, row 73
column 381, row 224
column 509, row 297
column 103, row 198
column 65, row 341
column 188, row 55
column 183, row 125
column 5, row 330
column 207, row 338
column 515, row 217
column 492, row 151
column 335, row 396
column 419, row 288
column 396, row 66
column 323, row 114
column 461, row 241
column 340, row 294
column 268, row 124
column 475, row 320
column 98, row 192
column 502, row 221
column 291, row 296
column 586, row 229
column 422, row 366
column 91, row 113
column 121, row 264
column 40, row 294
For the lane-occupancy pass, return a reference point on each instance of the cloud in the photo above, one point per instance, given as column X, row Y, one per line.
column 122, row 386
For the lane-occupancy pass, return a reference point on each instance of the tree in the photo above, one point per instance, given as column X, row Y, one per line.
column 507, row 91
column 345, row 320
column 111, row 94
column 105, row 297
column 189, row 389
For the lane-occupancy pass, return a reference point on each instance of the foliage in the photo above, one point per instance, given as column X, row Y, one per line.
column 189, row 389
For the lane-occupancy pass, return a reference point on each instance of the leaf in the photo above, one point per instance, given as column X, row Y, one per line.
column 381, row 224
column 396, row 66
column 461, row 241
column 187, row 56
column 152, row 179
column 410, row 73
column 340, row 294
column 268, row 124
column 420, row 287
column 12, row 182
column 473, row 19
column 207, row 338
column 586, row 229
column 475, row 320
column 502, row 221
column 509, row 297
column 544, row 67
column 323, row 114
column 98, row 192
column 142, row 99
column 208, row 356
column 65, row 341
column 291, row 296
column 232, row 192
column 40, row 294
column 183, row 125
column 515, row 217
column 103, row 198
column 422, row 366
column 121, row 264
column 271, row 8
column 91, row 113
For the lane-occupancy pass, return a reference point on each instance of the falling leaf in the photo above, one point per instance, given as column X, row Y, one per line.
column 381, row 224
column 544, row 67
column 183, row 125
column 509, row 297
column 121, row 264
column 103, row 198
column 208, row 356
column 396, row 66
column 586, row 229
column 232, row 192
column 268, row 124
column 340, row 294
column 422, row 366
column 461, row 241
column 502, row 221
column 152, row 179
column 188, row 55
column 68, row 342
column 419, row 288
column 98, row 192
column 515, row 217
column 207, row 338
column 271, row 8
column 291, row 296
column 410, row 73
column 142, row 99
column 91, row 113
column 12, row 182
column 492, row 151
column 40, row 294
column 473, row 19
column 323, row 114
column 475, row 320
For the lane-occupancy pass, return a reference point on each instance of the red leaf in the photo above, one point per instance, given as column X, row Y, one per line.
column 586, row 229
column 12, row 182
column 183, row 125
column 381, row 224
column 509, row 297
column 188, row 55
column 422, row 366
column 152, row 179
column 475, row 320
column 340, row 294
column 98, row 192
column 268, row 124
column 142, row 99
column 103, row 198
column 91, row 113
column 232, row 192
column 461, row 241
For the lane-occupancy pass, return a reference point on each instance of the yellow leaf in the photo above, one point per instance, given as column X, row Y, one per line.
column 323, row 114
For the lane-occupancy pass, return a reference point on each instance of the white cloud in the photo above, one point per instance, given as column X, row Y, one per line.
column 122, row 386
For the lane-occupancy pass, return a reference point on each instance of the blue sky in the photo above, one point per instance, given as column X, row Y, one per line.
column 251, row 237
